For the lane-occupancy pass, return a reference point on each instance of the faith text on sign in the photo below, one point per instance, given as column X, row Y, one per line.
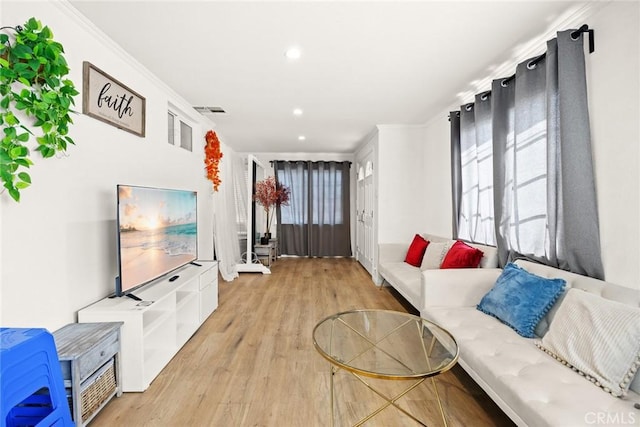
column 106, row 99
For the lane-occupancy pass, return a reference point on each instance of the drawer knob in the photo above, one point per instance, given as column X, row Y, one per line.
column 102, row 353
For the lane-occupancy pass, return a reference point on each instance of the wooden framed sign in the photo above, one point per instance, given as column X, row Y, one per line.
column 106, row 99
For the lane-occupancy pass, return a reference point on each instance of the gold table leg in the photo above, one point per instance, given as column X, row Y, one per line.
column 332, row 372
column 389, row 401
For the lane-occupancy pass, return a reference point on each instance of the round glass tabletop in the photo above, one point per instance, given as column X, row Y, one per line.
column 385, row 344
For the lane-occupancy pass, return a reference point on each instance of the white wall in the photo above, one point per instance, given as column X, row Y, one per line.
column 400, row 175
column 614, row 102
column 58, row 245
column 613, row 82
column 437, row 164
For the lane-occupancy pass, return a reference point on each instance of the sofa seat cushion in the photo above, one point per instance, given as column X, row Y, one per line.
column 404, row 278
column 529, row 382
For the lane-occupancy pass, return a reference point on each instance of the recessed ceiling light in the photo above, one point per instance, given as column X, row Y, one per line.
column 297, row 111
column 293, row 53
column 302, row 138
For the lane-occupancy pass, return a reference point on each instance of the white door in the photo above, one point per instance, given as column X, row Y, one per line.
column 365, row 202
column 367, row 217
column 360, row 256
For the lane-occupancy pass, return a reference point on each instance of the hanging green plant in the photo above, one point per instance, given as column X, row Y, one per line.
column 32, row 85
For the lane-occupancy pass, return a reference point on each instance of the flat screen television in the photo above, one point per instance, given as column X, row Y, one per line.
column 157, row 234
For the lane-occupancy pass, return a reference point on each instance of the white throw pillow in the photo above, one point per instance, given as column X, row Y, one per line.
column 435, row 254
column 598, row 338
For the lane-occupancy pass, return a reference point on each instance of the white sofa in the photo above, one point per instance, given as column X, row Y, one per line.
column 408, row 280
column 529, row 385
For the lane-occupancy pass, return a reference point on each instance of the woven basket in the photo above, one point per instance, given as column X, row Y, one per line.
column 101, row 389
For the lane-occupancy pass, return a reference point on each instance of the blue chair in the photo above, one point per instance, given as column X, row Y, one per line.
column 32, row 391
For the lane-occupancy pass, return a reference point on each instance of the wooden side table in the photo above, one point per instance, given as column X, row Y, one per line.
column 274, row 242
column 266, row 253
column 89, row 355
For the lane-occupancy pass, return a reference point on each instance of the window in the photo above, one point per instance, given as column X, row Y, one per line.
column 298, row 182
column 171, row 119
column 186, row 140
column 179, row 129
column 325, row 196
column 530, row 133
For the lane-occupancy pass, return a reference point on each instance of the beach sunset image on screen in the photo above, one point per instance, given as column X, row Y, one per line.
column 157, row 232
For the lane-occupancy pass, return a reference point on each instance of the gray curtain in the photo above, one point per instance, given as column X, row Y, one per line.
column 475, row 212
column 502, row 100
column 316, row 223
column 456, row 174
column 544, row 191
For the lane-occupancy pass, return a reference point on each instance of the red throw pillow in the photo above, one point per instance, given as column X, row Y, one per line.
column 462, row 255
column 416, row 251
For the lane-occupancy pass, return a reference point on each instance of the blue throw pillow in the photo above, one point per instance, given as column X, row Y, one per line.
column 520, row 299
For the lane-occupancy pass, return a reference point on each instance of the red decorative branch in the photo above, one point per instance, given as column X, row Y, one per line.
column 212, row 156
column 269, row 194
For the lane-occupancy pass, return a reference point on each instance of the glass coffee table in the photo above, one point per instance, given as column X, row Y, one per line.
column 387, row 345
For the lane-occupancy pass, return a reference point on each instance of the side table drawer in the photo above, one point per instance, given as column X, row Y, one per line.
column 262, row 251
column 98, row 356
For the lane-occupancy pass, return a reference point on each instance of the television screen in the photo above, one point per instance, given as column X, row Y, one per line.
column 157, row 233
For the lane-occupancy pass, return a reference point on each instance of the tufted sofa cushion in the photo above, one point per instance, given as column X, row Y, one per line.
column 403, row 277
column 530, row 386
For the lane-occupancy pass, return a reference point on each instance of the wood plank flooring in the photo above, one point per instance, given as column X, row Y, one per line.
column 252, row 363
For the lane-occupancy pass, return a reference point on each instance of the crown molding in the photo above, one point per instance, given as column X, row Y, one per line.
column 174, row 100
column 572, row 18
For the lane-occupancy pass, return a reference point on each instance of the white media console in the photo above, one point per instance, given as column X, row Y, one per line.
column 157, row 327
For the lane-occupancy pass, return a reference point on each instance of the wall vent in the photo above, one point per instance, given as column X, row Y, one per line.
column 207, row 110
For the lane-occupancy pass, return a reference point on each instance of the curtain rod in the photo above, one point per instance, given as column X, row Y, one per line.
column 584, row 28
column 574, row 36
column 312, row 161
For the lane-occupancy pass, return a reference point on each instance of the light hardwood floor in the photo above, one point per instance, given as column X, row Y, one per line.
column 252, row 363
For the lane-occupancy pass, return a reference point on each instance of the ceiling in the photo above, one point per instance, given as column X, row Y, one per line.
column 363, row 63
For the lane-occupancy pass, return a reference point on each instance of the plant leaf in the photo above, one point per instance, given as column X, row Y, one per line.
column 4, row 103
column 24, row 177
column 21, row 51
column 14, row 193
column 18, row 151
column 23, row 162
column 32, row 24
column 10, row 119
